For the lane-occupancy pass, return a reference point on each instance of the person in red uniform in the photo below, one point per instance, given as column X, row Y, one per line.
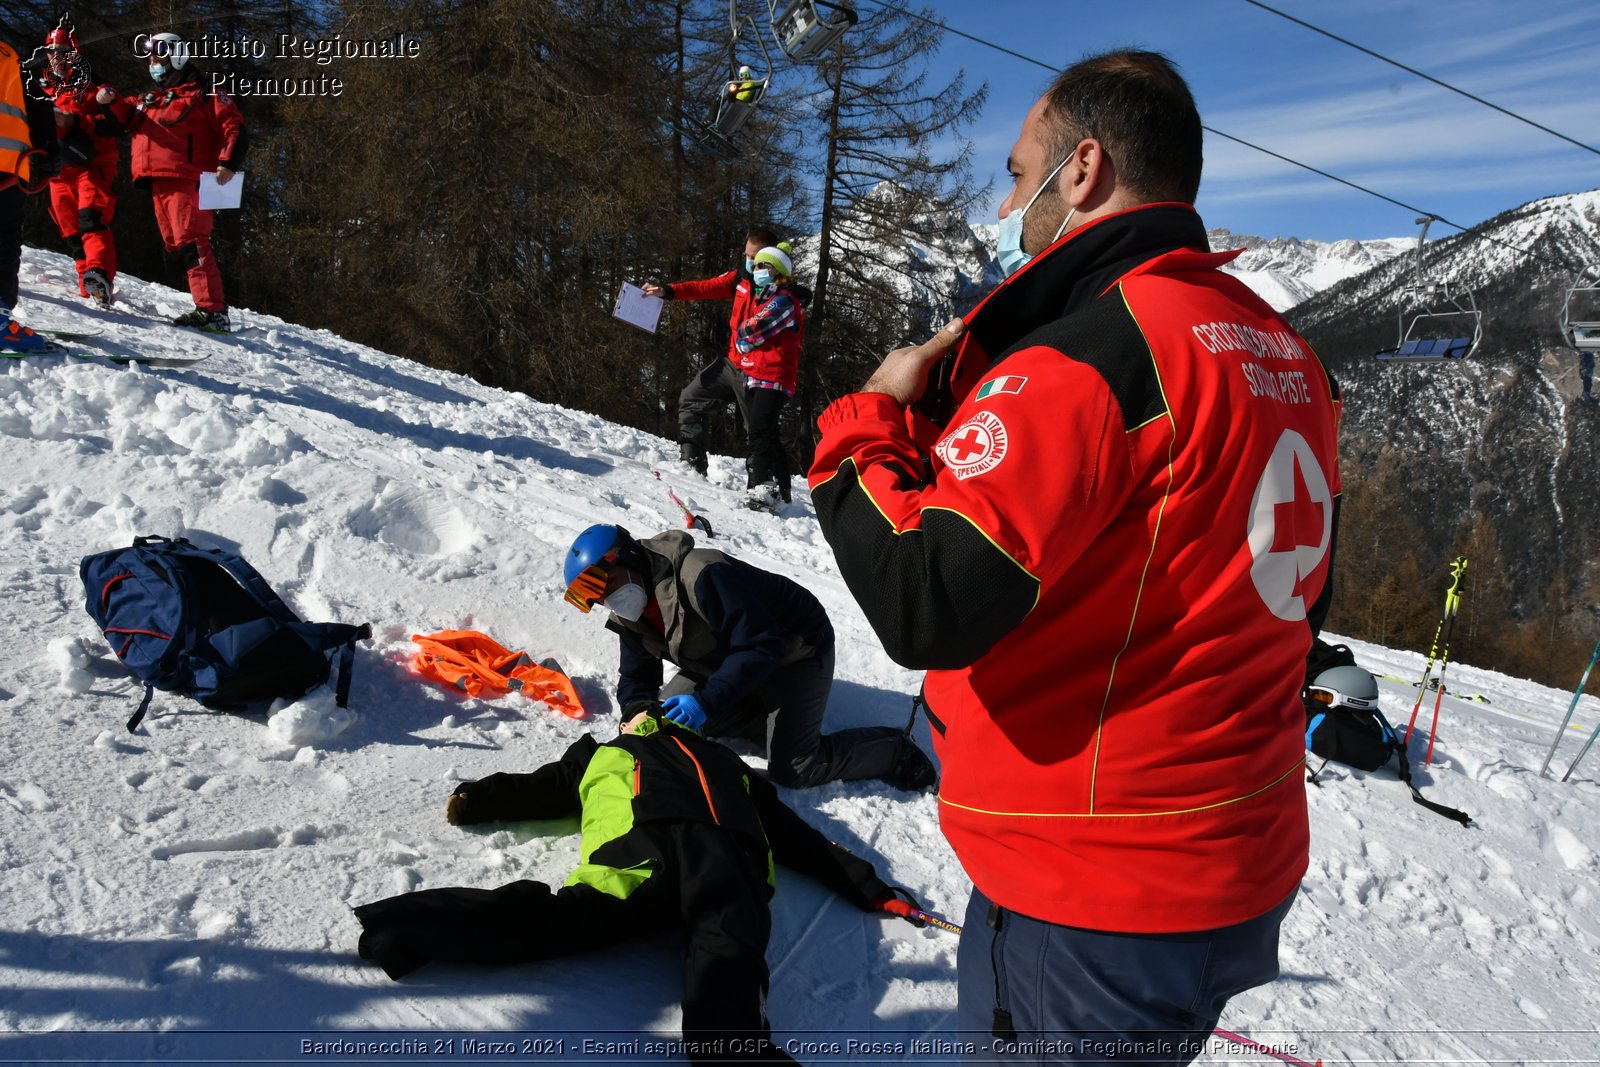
column 81, row 199
column 180, row 129
column 1105, row 545
column 759, row 395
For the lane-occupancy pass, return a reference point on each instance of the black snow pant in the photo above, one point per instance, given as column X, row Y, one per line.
column 708, row 882
column 11, row 200
column 715, row 385
column 786, row 711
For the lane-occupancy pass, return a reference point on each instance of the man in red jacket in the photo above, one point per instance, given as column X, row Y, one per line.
column 1104, row 547
column 81, row 199
column 757, row 385
column 181, row 129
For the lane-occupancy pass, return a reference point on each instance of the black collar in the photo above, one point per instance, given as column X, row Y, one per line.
column 1078, row 269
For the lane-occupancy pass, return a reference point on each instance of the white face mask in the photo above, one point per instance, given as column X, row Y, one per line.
column 1009, row 253
column 628, row 600
column 157, row 72
column 763, row 278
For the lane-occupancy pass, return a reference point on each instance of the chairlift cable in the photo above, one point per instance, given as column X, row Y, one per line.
column 885, row 4
column 1426, row 77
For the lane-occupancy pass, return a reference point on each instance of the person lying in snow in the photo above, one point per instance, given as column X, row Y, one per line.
column 675, row 830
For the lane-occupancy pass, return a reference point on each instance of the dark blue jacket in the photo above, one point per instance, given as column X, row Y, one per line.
column 728, row 625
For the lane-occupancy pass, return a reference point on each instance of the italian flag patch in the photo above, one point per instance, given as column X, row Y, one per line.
column 1006, row 383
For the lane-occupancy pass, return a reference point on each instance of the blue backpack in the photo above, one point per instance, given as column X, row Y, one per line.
column 203, row 622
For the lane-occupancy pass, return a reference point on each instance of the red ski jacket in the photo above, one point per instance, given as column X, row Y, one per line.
column 182, row 130
column 766, row 346
column 78, row 115
column 734, row 285
column 1105, row 557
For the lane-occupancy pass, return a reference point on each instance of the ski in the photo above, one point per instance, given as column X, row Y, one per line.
column 50, row 349
column 159, row 361
column 68, row 335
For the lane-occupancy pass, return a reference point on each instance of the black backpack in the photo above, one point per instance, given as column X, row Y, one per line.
column 203, row 622
column 1356, row 737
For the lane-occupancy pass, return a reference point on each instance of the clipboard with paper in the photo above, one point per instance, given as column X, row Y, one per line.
column 214, row 197
column 638, row 308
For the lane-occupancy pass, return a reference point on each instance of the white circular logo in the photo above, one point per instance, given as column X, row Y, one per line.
column 1291, row 526
column 976, row 446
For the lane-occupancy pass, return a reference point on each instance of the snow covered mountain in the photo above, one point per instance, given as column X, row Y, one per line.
column 183, row 893
column 1286, row 271
column 951, row 264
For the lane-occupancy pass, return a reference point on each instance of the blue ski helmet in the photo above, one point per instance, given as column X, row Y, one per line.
column 589, row 562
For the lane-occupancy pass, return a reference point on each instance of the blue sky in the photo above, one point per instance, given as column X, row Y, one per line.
column 1267, row 80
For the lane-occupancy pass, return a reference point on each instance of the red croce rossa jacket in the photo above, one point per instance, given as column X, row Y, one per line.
column 1105, row 556
column 182, row 130
column 78, row 113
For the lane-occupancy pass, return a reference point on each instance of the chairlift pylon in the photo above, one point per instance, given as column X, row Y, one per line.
column 1580, row 314
column 1437, row 320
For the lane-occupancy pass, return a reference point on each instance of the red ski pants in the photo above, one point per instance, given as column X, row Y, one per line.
column 186, row 231
column 83, row 206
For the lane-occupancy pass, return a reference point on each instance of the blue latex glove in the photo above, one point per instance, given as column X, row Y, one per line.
column 684, row 710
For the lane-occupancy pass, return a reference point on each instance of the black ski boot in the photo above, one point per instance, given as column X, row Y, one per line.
column 693, row 454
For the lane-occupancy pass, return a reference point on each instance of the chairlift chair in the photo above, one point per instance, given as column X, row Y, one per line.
column 1437, row 321
column 732, row 112
column 1580, row 317
column 804, row 31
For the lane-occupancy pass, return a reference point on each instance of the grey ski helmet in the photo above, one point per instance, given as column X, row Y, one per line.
column 1348, row 686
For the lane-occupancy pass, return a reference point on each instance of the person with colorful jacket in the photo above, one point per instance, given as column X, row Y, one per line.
column 1103, row 545
column 27, row 144
column 754, row 653
column 675, row 831
column 768, row 343
column 181, row 129
column 760, row 378
column 82, row 202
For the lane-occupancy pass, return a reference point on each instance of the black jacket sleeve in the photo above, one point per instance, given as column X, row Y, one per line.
column 801, row 847
column 638, row 672
column 550, row 792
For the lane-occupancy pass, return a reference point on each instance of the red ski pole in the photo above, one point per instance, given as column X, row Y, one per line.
column 1240, row 1039
column 916, row 916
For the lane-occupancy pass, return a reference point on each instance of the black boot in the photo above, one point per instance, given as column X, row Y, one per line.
column 694, row 454
column 913, row 770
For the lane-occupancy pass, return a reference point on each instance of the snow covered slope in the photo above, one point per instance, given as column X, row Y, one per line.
column 185, row 892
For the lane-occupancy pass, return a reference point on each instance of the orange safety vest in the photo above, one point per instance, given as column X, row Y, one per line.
column 14, row 142
column 474, row 662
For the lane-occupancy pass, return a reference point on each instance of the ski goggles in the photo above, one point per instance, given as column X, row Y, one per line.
column 1335, row 699
column 589, row 587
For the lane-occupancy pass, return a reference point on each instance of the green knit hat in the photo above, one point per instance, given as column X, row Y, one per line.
column 777, row 257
